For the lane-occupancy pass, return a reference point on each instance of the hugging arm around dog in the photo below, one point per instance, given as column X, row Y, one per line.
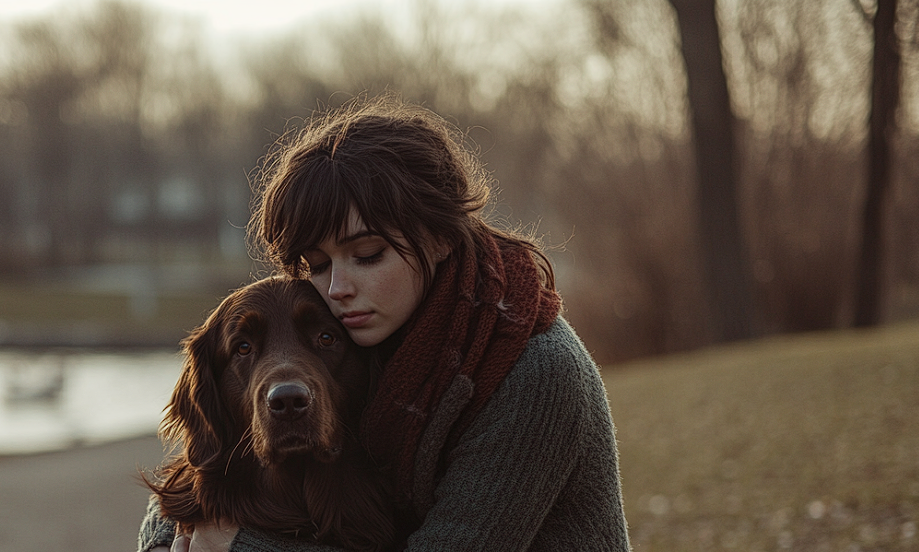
column 488, row 413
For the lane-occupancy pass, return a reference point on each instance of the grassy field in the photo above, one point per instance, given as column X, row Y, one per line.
column 804, row 443
column 43, row 315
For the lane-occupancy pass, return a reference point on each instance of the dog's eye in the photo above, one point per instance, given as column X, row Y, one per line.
column 244, row 348
column 326, row 339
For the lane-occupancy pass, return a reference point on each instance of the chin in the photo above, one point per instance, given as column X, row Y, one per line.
column 367, row 338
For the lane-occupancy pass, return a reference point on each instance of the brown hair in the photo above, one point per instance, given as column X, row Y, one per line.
column 404, row 169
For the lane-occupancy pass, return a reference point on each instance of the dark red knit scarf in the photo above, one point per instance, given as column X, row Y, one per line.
column 475, row 321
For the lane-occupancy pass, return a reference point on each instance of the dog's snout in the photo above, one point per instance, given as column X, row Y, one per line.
column 289, row 401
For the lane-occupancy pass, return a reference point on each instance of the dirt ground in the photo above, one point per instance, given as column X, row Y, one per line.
column 86, row 499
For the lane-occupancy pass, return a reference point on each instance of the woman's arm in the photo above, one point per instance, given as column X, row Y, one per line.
column 538, row 469
column 155, row 531
column 507, row 471
column 158, row 533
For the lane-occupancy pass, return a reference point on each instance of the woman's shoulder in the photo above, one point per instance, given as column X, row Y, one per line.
column 554, row 362
column 555, row 381
column 557, row 347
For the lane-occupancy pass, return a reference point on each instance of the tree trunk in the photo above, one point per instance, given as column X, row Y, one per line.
column 727, row 267
column 885, row 96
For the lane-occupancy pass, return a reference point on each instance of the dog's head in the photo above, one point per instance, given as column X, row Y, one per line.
column 271, row 371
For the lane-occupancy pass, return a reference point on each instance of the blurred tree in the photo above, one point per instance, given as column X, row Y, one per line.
column 725, row 255
column 198, row 133
column 885, row 97
column 80, row 80
column 624, row 185
column 115, row 42
column 285, row 83
column 125, row 140
column 45, row 82
column 798, row 90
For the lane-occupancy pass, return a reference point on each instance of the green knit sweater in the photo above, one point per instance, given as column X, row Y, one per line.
column 536, row 471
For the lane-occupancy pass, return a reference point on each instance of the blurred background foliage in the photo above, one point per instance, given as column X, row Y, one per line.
column 129, row 136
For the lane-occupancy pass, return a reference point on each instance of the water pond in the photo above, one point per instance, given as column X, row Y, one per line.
column 56, row 400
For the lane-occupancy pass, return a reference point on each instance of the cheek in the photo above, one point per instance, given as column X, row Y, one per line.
column 405, row 290
column 324, row 292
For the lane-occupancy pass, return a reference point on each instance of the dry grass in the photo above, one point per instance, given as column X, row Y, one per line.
column 42, row 314
column 806, row 443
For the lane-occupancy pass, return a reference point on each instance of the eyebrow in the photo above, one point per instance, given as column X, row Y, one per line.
column 357, row 236
column 360, row 234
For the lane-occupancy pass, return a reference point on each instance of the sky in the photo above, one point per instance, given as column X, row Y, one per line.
column 233, row 16
column 221, row 16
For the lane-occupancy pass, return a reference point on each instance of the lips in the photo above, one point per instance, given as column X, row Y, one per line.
column 354, row 320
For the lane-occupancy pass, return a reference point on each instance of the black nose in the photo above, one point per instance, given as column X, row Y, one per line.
column 288, row 401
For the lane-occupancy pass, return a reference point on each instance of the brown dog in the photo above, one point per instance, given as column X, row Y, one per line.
column 266, row 410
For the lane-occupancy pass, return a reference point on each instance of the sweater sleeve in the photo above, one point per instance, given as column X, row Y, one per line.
column 511, row 465
column 155, row 530
column 248, row 540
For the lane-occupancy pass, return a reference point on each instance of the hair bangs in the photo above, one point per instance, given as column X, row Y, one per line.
column 374, row 205
column 310, row 206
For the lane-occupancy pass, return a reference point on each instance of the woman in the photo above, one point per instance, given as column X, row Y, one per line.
column 489, row 411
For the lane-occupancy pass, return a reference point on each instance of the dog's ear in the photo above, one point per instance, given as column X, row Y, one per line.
column 195, row 416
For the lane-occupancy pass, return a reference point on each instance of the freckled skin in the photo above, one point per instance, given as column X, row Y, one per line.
column 366, row 283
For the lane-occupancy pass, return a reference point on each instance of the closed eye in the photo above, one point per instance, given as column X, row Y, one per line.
column 371, row 259
column 318, row 268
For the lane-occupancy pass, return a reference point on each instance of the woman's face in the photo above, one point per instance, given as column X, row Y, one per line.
column 365, row 282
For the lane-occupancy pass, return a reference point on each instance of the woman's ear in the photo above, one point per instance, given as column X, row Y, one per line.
column 441, row 249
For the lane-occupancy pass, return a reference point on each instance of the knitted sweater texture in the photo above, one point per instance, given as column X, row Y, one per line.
column 537, row 470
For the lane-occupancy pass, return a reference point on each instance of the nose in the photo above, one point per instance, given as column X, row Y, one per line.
column 340, row 286
column 289, row 401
